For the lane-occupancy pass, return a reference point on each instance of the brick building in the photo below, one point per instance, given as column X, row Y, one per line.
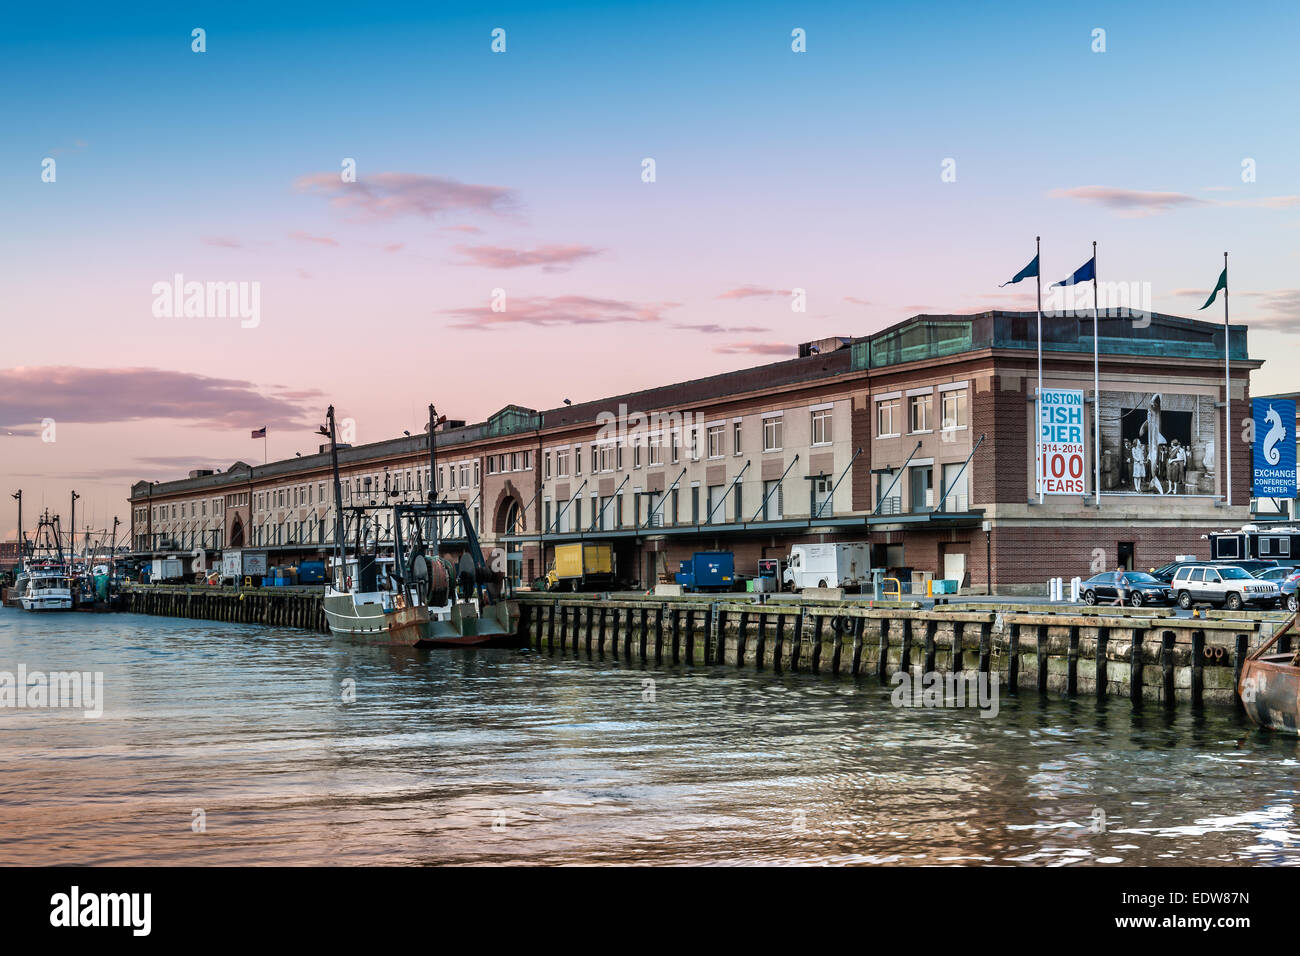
column 919, row 439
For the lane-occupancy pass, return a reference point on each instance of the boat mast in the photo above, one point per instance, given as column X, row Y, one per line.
column 338, row 496
column 22, row 550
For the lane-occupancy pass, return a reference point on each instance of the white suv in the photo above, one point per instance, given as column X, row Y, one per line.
column 1225, row 584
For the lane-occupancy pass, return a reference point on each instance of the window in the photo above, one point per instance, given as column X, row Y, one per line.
column 821, row 426
column 772, row 501
column 822, row 486
column 672, row 515
column 546, row 466
column 887, row 420
column 514, row 461
column 715, row 441
column 695, row 444
column 656, row 450
column 715, row 493
column 922, row 487
column 921, row 412
column 604, row 455
column 577, row 459
column 562, row 463
column 677, row 446
column 954, row 409
column 954, row 487
column 476, row 477
column 735, row 438
column 636, row 455
column 492, row 464
column 772, row 429
column 695, row 504
column 618, row 510
column 735, row 493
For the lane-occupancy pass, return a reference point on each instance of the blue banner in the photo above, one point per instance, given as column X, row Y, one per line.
column 1274, row 452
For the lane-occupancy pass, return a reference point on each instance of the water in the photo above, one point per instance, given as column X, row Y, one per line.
column 513, row 756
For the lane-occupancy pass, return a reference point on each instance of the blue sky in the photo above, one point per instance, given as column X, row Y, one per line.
column 775, row 170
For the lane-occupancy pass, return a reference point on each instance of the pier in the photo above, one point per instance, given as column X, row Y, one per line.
column 1147, row 656
column 280, row 606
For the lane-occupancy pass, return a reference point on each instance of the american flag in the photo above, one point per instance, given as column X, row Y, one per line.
column 260, row 432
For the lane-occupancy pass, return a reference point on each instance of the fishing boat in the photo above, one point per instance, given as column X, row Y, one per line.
column 46, row 581
column 46, row 588
column 417, row 596
column 1270, row 684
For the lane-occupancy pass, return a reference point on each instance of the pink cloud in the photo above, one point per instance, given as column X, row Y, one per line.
column 712, row 328
column 551, row 258
column 394, row 246
column 1132, row 203
column 750, row 292
column 462, row 228
column 390, row 195
column 308, row 237
column 558, row 310
column 100, row 395
column 855, row 300
column 756, row 348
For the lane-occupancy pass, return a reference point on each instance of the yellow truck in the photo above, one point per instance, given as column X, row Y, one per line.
column 580, row 567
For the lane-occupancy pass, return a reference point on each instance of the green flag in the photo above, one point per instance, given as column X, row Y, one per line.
column 1223, row 284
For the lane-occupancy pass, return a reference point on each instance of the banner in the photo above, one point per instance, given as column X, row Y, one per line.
column 1155, row 443
column 1274, row 449
column 1062, row 469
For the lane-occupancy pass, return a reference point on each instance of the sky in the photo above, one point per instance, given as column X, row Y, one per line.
column 902, row 162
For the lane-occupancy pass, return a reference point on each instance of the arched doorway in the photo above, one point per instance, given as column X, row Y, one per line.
column 236, row 533
column 509, row 520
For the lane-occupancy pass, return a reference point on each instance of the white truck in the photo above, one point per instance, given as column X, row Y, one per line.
column 237, row 565
column 837, row 565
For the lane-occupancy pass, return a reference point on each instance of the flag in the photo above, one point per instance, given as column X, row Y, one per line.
column 1028, row 272
column 1222, row 284
column 260, row 432
column 1085, row 272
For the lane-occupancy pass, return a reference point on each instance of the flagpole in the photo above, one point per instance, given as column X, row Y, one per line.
column 1227, row 386
column 1096, row 379
column 1038, row 401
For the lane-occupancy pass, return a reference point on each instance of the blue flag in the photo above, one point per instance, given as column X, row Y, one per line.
column 1028, row 272
column 1082, row 274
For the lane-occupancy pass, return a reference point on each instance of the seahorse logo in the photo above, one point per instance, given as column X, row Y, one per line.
column 1276, row 432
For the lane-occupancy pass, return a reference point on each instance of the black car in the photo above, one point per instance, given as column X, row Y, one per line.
column 1139, row 588
column 1250, row 565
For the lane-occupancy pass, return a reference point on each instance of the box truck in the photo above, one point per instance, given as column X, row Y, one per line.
column 836, row 565
column 582, row 567
column 166, row 569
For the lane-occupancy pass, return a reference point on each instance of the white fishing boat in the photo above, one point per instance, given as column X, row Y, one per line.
column 46, row 589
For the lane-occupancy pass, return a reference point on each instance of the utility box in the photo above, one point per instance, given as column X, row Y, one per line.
column 708, row 571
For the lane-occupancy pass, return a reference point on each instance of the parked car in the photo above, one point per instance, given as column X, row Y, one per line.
column 1288, row 581
column 1140, row 588
column 1166, row 572
column 1253, row 565
column 1224, row 584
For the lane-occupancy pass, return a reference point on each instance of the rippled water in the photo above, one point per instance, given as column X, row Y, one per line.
column 523, row 757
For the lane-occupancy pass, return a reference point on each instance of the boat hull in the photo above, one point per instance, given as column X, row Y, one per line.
column 460, row 625
column 1270, row 693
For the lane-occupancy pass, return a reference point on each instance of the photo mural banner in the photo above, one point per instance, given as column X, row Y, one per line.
column 1155, row 443
column 1274, row 471
column 1062, row 460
